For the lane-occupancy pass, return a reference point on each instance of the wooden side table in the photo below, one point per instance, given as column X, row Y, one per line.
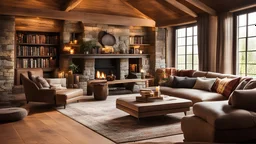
column 100, row 91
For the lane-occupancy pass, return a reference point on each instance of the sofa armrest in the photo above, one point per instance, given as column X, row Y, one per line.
column 61, row 81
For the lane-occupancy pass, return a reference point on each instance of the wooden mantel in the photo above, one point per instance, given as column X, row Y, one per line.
column 104, row 56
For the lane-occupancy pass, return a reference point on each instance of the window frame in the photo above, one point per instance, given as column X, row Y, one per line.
column 236, row 40
column 176, row 45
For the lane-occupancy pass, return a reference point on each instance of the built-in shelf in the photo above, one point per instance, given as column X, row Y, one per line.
column 30, row 44
column 139, row 44
column 104, row 56
column 48, row 69
column 34, row 56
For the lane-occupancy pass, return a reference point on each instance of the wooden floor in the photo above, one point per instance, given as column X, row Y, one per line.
column 44, row 125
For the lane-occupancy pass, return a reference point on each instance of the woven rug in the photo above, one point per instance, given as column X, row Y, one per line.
column 118, row 126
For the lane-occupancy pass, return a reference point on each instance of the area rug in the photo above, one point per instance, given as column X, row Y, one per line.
column 104, row 118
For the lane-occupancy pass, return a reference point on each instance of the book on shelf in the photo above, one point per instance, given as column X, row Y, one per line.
column 35, row 51
column 35, row 63
column 136, row 39
column 36, row 38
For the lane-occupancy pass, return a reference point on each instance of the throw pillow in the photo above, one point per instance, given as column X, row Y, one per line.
column 242, row 83
column 183, row 82
column 250, row 85
column 187, row 73
column 243, row 99
column 225, row 86
column 31, row 75
column 204, row 84
column 43, row 82
column 167, row 82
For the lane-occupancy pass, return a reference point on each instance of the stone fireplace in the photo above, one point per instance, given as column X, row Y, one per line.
column 107, row 67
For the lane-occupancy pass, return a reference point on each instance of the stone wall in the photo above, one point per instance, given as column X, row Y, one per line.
column 121, row 34
column 7, row 35
column 160, row 48
column 157, row 53
column 124, row 68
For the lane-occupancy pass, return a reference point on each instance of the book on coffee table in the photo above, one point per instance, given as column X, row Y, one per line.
column 148, row 99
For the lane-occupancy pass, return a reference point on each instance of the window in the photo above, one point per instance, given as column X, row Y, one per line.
column 246, row 44
column 186, row 48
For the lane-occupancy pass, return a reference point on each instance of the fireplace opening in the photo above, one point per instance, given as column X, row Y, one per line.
column 107, row 67
column 134, row 65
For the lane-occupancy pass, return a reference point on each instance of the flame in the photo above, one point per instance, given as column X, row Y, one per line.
column 100, row 75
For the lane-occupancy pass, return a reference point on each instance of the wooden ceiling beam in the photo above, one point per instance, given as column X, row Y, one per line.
column 176, row 22
column 243, row 8
column 72, row 4
column 202, row 6
column 182, row 7
column 91, row 18
column 135, row 9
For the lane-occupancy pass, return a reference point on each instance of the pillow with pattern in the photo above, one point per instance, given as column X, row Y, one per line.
column 225, row 86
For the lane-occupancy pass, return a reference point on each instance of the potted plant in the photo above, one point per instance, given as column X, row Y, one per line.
column 87, row 46
column 74, row 68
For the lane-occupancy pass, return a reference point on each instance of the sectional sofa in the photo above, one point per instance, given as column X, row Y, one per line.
column 217, row 117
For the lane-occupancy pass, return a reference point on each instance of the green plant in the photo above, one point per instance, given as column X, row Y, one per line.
column 87, row 45
column 73, row 67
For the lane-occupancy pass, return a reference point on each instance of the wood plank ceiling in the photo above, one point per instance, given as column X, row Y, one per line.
column 163, row 12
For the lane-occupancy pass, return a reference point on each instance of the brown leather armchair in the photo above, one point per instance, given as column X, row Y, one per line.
column 33, row 93
column 52, row 96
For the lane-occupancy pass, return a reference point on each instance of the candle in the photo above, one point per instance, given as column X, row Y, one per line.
column 60, row 74
column 157, row 88
column 140, row 51
column 71, row 51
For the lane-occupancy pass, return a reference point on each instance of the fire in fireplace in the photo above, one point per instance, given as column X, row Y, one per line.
column 100, row 75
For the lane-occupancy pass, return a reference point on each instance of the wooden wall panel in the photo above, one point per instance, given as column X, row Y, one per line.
column 38, row 24
column 111, row 7
column 47, row 4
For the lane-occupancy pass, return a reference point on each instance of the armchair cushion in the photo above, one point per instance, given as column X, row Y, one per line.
column 43, row 82
column 53, row 81
column 244, row 99
column 57, row 87
column 223, row 116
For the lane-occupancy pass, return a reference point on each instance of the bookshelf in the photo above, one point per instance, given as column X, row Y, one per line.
column 37, row 50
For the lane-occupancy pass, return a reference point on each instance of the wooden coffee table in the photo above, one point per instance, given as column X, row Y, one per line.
column 156, row 108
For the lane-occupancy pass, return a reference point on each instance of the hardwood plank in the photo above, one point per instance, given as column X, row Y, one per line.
column 28, row 134
column 77, row 132
column 202, row 6
column 77, row 16
column 72, row 4
column 8, row 134
column 182, row 7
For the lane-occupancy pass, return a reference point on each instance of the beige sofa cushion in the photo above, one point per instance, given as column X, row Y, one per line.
column 244, row 99
column 195, row 95
column 223, row 116
column 204, row 84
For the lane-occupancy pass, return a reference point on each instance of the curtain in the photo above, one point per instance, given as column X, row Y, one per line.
column 203, row 41
column 225, row 54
